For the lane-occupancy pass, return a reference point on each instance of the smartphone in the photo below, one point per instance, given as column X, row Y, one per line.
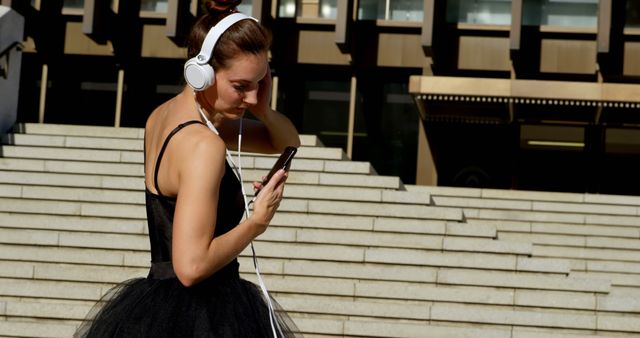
column 283, row 162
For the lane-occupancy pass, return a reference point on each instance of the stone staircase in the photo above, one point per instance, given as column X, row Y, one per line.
column 349, row 254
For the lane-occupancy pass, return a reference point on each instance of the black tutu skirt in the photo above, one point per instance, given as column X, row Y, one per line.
column 224, row 306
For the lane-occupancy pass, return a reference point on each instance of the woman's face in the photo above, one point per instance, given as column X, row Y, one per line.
column 236, row 86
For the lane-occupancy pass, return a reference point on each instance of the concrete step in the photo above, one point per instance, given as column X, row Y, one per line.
column 335, row 193
column 376, row 327
column 132, row 251
column 507, row 204
column 133, row 156
column 456, row 276
column 293, row 190
column 617, row 279
column 382, row 308
column 336, row 327
column 39, row 329
column 68, row 141
column 47, row 309
column 562, row 228
column 609, row 266
column 126, row 151
column 363, row 327
column 66, row 130
column 470, row 260
column 71, row 167
column 575, row 240
column 52, row 289
column 594, row 254
column 461, row 313
column 136, row 169
column 249, row 175
column 137, row 211
column 551, row 217
column 620, row 200
column 29, row 221
column 301, row 235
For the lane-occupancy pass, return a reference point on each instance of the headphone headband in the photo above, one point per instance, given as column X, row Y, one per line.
column 197, row 72
column 216, row 32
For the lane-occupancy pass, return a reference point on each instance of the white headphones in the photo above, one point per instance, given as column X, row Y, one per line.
column 197, row 71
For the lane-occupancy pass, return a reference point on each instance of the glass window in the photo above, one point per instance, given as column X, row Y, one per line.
column 371, row 10
column 484, row 12
column 397, row 10
column 326, row 111
column 287, row 9
column 246, row 7
column 158, row 6
column 73, row 4
column 565, row 13
column 633, row 14
column 161, row 6
column 405, row 10
column 394, row 152
column 326, row 9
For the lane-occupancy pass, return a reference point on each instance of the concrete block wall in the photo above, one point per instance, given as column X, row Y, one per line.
column 349, row 254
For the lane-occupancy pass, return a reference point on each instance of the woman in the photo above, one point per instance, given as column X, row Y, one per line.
column 195, row 204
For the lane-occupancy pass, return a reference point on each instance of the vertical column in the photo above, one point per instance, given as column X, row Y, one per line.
column 119, row 94
column 344, row 22
column 426, row 37
column 97, row 20
column 604, row 25
column 610, row 39
column 352, row 115
column 49, row 34
column 261, row 10
column 426, row 173
column 179, row 19
column 44, row 79
column 515, row 32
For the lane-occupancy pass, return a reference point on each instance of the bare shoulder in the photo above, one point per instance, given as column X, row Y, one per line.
column 198, row 145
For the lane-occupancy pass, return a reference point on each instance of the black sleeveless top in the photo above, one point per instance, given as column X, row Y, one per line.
column 160, row 211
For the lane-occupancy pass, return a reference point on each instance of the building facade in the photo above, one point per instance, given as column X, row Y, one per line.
column 522, row 94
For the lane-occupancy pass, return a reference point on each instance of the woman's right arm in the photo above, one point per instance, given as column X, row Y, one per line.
column 196, row 253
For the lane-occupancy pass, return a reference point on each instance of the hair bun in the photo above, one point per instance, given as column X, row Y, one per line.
column 221, row 6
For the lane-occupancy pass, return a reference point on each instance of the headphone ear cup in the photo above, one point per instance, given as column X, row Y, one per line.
column 198, row 76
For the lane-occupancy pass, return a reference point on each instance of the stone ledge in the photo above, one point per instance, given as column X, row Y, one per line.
column 108, row 132
column 13, row 328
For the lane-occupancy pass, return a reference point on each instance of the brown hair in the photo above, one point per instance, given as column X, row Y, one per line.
column 245, row 36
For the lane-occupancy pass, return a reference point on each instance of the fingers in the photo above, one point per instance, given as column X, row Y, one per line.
column 274, row 188
column 268, row 201
column 257, row 186
column 279, row 176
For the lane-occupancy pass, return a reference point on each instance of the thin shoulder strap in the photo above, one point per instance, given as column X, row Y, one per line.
column 164, row 147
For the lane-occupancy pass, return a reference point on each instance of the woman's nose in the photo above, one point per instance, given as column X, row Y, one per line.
column 251, row 97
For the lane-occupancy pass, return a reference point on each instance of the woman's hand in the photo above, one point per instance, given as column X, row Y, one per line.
column 267, row 202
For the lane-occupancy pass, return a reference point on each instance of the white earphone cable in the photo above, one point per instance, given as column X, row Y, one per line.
column 275, row 326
